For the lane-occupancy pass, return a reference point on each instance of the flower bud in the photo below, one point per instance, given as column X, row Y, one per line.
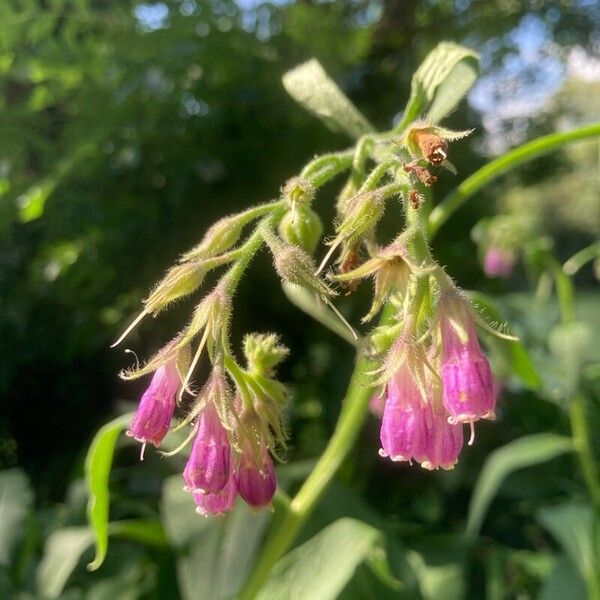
column 298, row 190
column 209, row 465
column 263, row 352
column 151, row 421
column 301, row 227
column 256, row 483
column 179, row 281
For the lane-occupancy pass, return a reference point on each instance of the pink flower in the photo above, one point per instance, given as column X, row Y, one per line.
column 151, row 421
column 467, row 383
column 256, row 484
column 444, row 442
column 209, row 465
column 498, row 262
column 218, row 503
column 403, row 431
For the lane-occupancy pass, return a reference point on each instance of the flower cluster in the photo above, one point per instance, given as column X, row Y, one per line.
column 434, row 376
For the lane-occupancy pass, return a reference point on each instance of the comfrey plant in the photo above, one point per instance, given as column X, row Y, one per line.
column 426, row 361
column 421, row 368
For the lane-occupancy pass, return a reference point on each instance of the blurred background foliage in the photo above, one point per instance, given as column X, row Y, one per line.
column 126, row 128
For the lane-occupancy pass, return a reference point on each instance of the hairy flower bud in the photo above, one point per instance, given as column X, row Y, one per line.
column 179, row 281
column 301, row 227
column 209, row 465
column 299, row 190
column 256, row 483
column 151, row 421
column 263, row 352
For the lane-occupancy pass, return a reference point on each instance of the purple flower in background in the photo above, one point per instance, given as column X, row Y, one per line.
column 151, row 421
column 468, row 387
column 403, row 431
column 498, row 262
column 209, row 465
column 256, row 484
column 219, row 503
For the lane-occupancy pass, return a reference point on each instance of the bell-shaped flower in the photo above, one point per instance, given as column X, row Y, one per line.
column 208, row 467
column 218, row 503
column 444, row 441
column 403, row 431
column 256, row 482
column 151, row 421
column 467, row 383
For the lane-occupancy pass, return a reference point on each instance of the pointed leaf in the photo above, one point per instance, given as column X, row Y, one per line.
column 62, row 553
column 322, row 566
column 572, row 525
column 442, row 80
column 518, row 454
column 97, row 470
column 311, row 87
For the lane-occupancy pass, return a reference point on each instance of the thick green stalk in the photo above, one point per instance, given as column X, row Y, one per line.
column 442, row 212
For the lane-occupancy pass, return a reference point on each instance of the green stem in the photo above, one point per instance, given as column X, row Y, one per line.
column 577, row 261
column 581, row 440
column 323, row 168
column 441, row 213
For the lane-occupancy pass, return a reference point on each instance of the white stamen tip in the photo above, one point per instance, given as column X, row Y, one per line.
column 142, row 451
column 472, row 438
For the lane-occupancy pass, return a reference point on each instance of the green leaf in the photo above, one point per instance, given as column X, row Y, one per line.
column 311, row 87
column 518, row 454
column 16, row 500
column 572, row 344
column 513, row 353
column 214, row 554
column 62, row 553
column 442, row 80
column 322, row 566
column 563, row 582
column 97, row 470
column 572, row 525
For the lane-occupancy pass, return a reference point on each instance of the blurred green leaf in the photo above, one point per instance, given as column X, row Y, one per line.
column 16, row 500
column 513, row 353
column 518, row 454
column 322, row 566
column 97, row 470
column 572, row 525
column 311, row 87
column 214, row 555
column 442, row 80
column 145, row 531
column 438, row 582
column 62, row 553
column 563, row 582
column 573, row 344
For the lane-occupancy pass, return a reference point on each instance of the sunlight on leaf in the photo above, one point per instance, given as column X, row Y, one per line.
column 322, row 566
column 311, row 87
column 97, row 470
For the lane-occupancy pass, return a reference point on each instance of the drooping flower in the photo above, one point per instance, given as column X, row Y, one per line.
column 256, row 482
column 467, row 383
column 403, row 431
column 444, row 441
column 218, row 503
column 498, row 262
column 151, row 421
column 208, row 467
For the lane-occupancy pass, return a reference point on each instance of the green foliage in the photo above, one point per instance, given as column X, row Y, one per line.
column 97, row 470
